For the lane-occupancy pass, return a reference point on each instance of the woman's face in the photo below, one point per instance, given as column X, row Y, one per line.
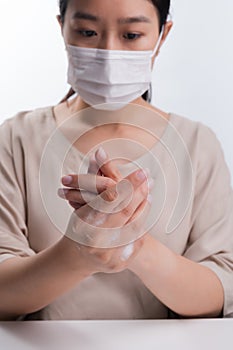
column 111, row 24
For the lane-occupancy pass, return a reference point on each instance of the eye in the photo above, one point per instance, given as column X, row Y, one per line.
column 132, row 36
column 87, row 33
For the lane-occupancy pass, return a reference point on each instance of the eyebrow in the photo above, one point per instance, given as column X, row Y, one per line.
column 84, row 15
column 127, row 20
column 138, row 19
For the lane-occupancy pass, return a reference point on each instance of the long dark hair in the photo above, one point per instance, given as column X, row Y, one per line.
column 162, row 7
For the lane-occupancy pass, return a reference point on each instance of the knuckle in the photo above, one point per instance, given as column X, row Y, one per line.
column 110, row 195
column 127, row 211
column 99, row 254
column 140, row 242
column 116, row 175
column 104, row 257
column 114, row 266
column 109, row 182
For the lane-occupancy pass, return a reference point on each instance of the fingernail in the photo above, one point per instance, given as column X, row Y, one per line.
column 62, row 192
column 66, row 180
column 150, row 198
column 147, row 171
column 141, row 175
column 101, row 154
column 151, row 183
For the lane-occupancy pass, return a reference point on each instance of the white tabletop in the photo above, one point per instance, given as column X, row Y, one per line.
column 208, row 334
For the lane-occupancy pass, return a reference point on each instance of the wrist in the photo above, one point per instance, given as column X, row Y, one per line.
column 69, row 255
column 142, row 259
column 154, row 259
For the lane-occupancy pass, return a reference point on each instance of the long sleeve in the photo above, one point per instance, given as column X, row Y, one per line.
column 211, row 237
column 13, row 206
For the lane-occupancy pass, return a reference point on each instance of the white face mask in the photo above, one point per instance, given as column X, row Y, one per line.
column 110, row 79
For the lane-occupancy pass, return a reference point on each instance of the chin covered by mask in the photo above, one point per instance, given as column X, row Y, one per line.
column 109, row 79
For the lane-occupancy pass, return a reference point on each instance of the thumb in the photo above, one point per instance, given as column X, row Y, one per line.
column 107, row 167
column 93, row 167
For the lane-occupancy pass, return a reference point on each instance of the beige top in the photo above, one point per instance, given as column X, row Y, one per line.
column 33, row 217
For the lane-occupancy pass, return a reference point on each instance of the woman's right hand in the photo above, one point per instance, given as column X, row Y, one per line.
column 106, row 230
column 102, row 173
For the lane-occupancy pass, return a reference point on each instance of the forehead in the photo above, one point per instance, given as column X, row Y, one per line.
column 113, row 9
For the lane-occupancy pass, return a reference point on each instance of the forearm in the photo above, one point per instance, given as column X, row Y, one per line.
column 29, row 284
column 186, row 287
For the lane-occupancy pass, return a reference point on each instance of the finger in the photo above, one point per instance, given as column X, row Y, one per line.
column 137, row 177
column 93, row 167
column 109, row 200
column 129, row 184
column 81, row 197
column 88, row 182
column 88, row 225
column 136, row 226
column 141, row 211
column 75, row 205
column 107, row 167
column 127, row 208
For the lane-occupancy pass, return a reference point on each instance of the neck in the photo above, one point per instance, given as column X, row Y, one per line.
column 96, row 117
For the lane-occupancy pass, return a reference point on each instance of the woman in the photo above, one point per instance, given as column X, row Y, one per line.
column 104, row 262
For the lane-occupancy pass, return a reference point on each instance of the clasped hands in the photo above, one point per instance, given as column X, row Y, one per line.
column 108, row 212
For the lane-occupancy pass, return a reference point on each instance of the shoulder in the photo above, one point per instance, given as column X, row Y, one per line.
column 28, row 124
column 31, row 117
column 204, row 148
column 26, row 129
column 196, row 134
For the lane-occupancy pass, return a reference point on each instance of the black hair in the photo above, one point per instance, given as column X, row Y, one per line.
column 162, row 7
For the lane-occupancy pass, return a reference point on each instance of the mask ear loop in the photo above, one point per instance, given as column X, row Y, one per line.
column 158, row 42
column 149, row 93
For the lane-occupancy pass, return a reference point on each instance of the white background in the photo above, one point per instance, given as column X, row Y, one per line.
column 193, row 75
